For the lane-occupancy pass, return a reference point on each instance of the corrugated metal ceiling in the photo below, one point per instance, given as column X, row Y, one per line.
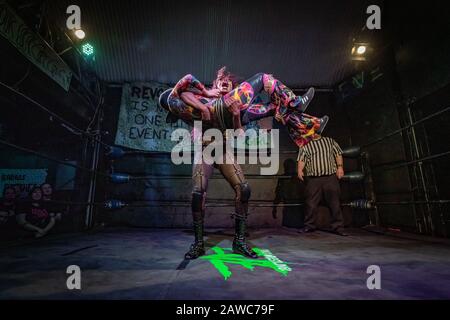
column 302, row 43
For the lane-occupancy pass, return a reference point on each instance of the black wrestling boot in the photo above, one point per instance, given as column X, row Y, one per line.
column 240, row 246
column 198, row 247
column 323, row 123
column 302, row 102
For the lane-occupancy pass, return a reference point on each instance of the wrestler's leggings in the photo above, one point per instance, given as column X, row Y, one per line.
column 283, row 104
column 232, row 172
column 280, row 95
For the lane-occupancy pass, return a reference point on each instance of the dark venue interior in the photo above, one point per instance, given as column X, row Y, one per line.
column 121, row 209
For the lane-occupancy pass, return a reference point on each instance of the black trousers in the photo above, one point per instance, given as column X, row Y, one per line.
column 327, row 188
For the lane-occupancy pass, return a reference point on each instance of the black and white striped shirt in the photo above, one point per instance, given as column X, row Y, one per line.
column 319, row 157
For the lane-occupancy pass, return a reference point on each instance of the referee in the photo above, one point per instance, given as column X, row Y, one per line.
column 321, row 159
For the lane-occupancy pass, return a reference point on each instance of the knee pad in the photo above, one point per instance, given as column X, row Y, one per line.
column 197, row 201
column 245, row 191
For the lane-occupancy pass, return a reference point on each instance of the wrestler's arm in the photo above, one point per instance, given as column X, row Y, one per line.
column 190, row 99
column 237, row 121
column 234, row 106
column 184, row 90
column 189, row 83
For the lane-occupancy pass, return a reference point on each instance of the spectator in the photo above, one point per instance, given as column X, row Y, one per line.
column 7, row 205
column 20, row 191
column 33, row 216
column 49, row 203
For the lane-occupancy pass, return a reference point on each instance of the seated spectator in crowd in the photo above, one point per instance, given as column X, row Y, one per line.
column 33, row 216
column 7, row 205
column 49, row 204
column 21, row 192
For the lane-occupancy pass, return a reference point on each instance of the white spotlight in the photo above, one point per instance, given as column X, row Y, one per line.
column 361, row 50
column 80, row 34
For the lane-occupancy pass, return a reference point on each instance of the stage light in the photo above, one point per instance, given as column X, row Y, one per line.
column 80, row 34
column 87, row 49
column 361, row 50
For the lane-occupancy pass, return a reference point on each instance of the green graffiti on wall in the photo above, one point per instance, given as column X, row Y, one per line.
column 224, row 256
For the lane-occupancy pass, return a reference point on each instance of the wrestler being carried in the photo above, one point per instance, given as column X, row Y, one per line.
column 230, row 105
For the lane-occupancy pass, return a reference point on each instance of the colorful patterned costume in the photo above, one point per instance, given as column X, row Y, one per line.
column 284, row 105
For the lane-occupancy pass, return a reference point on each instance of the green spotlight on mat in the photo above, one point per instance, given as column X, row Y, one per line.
column 223, row 257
